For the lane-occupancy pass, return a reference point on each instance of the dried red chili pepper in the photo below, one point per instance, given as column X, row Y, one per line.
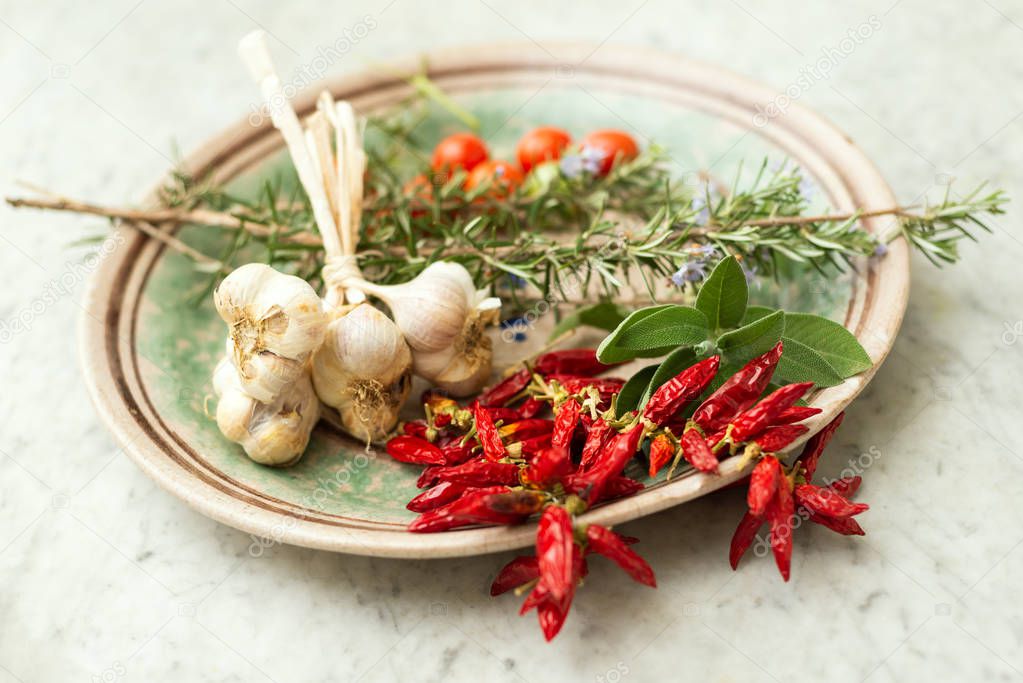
column 714, row 439
column 478, row 472
column 565, row 423
column 753, row 421
column 415, row 428
column 553, row 612
column 662, row 451
column 531, row 407
column 827, row 502
column 780, row 514
column 456, row 451
column 518, row 572
column 487, row 435
column 697, row 453
column 580, row 362
column 795, row 414
column 475, row 507
column 504, row 414
column 846, row 486
column 620, row 487
column 529, row 447
column 600, row 432
column 606, row 387
column 441, row 494
column 669, row 398
column 554, row 544
column 815, row 446
column 442, row 420
column 414, row 450
column 607, row 543
column 847, row 526
column 776, row 438
column 739, row 392
column 763, row 484
column 743, row 537
column 520, row 503
column 549, row 464
column 590, row 484
column 502, row 393
column 526, row 429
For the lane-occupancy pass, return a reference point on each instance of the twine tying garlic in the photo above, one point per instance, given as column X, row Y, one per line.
column 286, row 347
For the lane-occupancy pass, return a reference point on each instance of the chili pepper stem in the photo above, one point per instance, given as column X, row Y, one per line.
column 526, row 587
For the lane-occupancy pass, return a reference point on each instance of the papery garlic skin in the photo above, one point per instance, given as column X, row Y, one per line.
column 275, row 322
column 363, row 369
column 274, row 433
column 443, row 318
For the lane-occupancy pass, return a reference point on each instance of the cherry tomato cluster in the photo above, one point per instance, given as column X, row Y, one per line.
column 468, row 153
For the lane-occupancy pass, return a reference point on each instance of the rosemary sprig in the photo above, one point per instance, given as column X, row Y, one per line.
column 565, row 232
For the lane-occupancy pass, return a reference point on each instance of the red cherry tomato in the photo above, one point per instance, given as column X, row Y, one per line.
column 541, row 144
column 461, row 150
column 616, row 146
column 503, row 177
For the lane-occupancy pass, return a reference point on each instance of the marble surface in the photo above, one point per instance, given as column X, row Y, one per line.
column 104, row 577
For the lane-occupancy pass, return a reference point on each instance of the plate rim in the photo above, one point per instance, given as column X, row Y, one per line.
column 99, row 338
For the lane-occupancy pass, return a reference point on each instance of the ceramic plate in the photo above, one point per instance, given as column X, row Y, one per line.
column 148, row 352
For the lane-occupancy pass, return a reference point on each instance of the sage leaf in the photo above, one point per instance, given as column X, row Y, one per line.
column 800, row 363
column 606, row 352
column 630, row 395
column 723, row 295
column 655, row 334
column 830, row 340
column 756, row 313
column 749, row 341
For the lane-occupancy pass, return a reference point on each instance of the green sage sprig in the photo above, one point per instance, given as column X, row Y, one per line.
column 816, row 349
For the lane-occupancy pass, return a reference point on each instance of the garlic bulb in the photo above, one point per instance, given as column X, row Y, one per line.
column 364, row 369
column 444, row 320
column 274, row 433
column 275, row 322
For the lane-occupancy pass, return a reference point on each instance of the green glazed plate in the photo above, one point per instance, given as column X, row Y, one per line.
column 148, row 351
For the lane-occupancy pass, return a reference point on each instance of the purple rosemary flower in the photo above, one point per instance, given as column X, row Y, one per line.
column 881, row 249
column 692, row 271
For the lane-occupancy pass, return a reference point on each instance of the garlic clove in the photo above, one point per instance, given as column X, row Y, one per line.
column 271, row 434
column 455, row 373
column 431, row 308
column 275, row 321
column 363, row 369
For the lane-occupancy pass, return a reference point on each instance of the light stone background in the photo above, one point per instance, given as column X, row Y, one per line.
column 103, row 576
